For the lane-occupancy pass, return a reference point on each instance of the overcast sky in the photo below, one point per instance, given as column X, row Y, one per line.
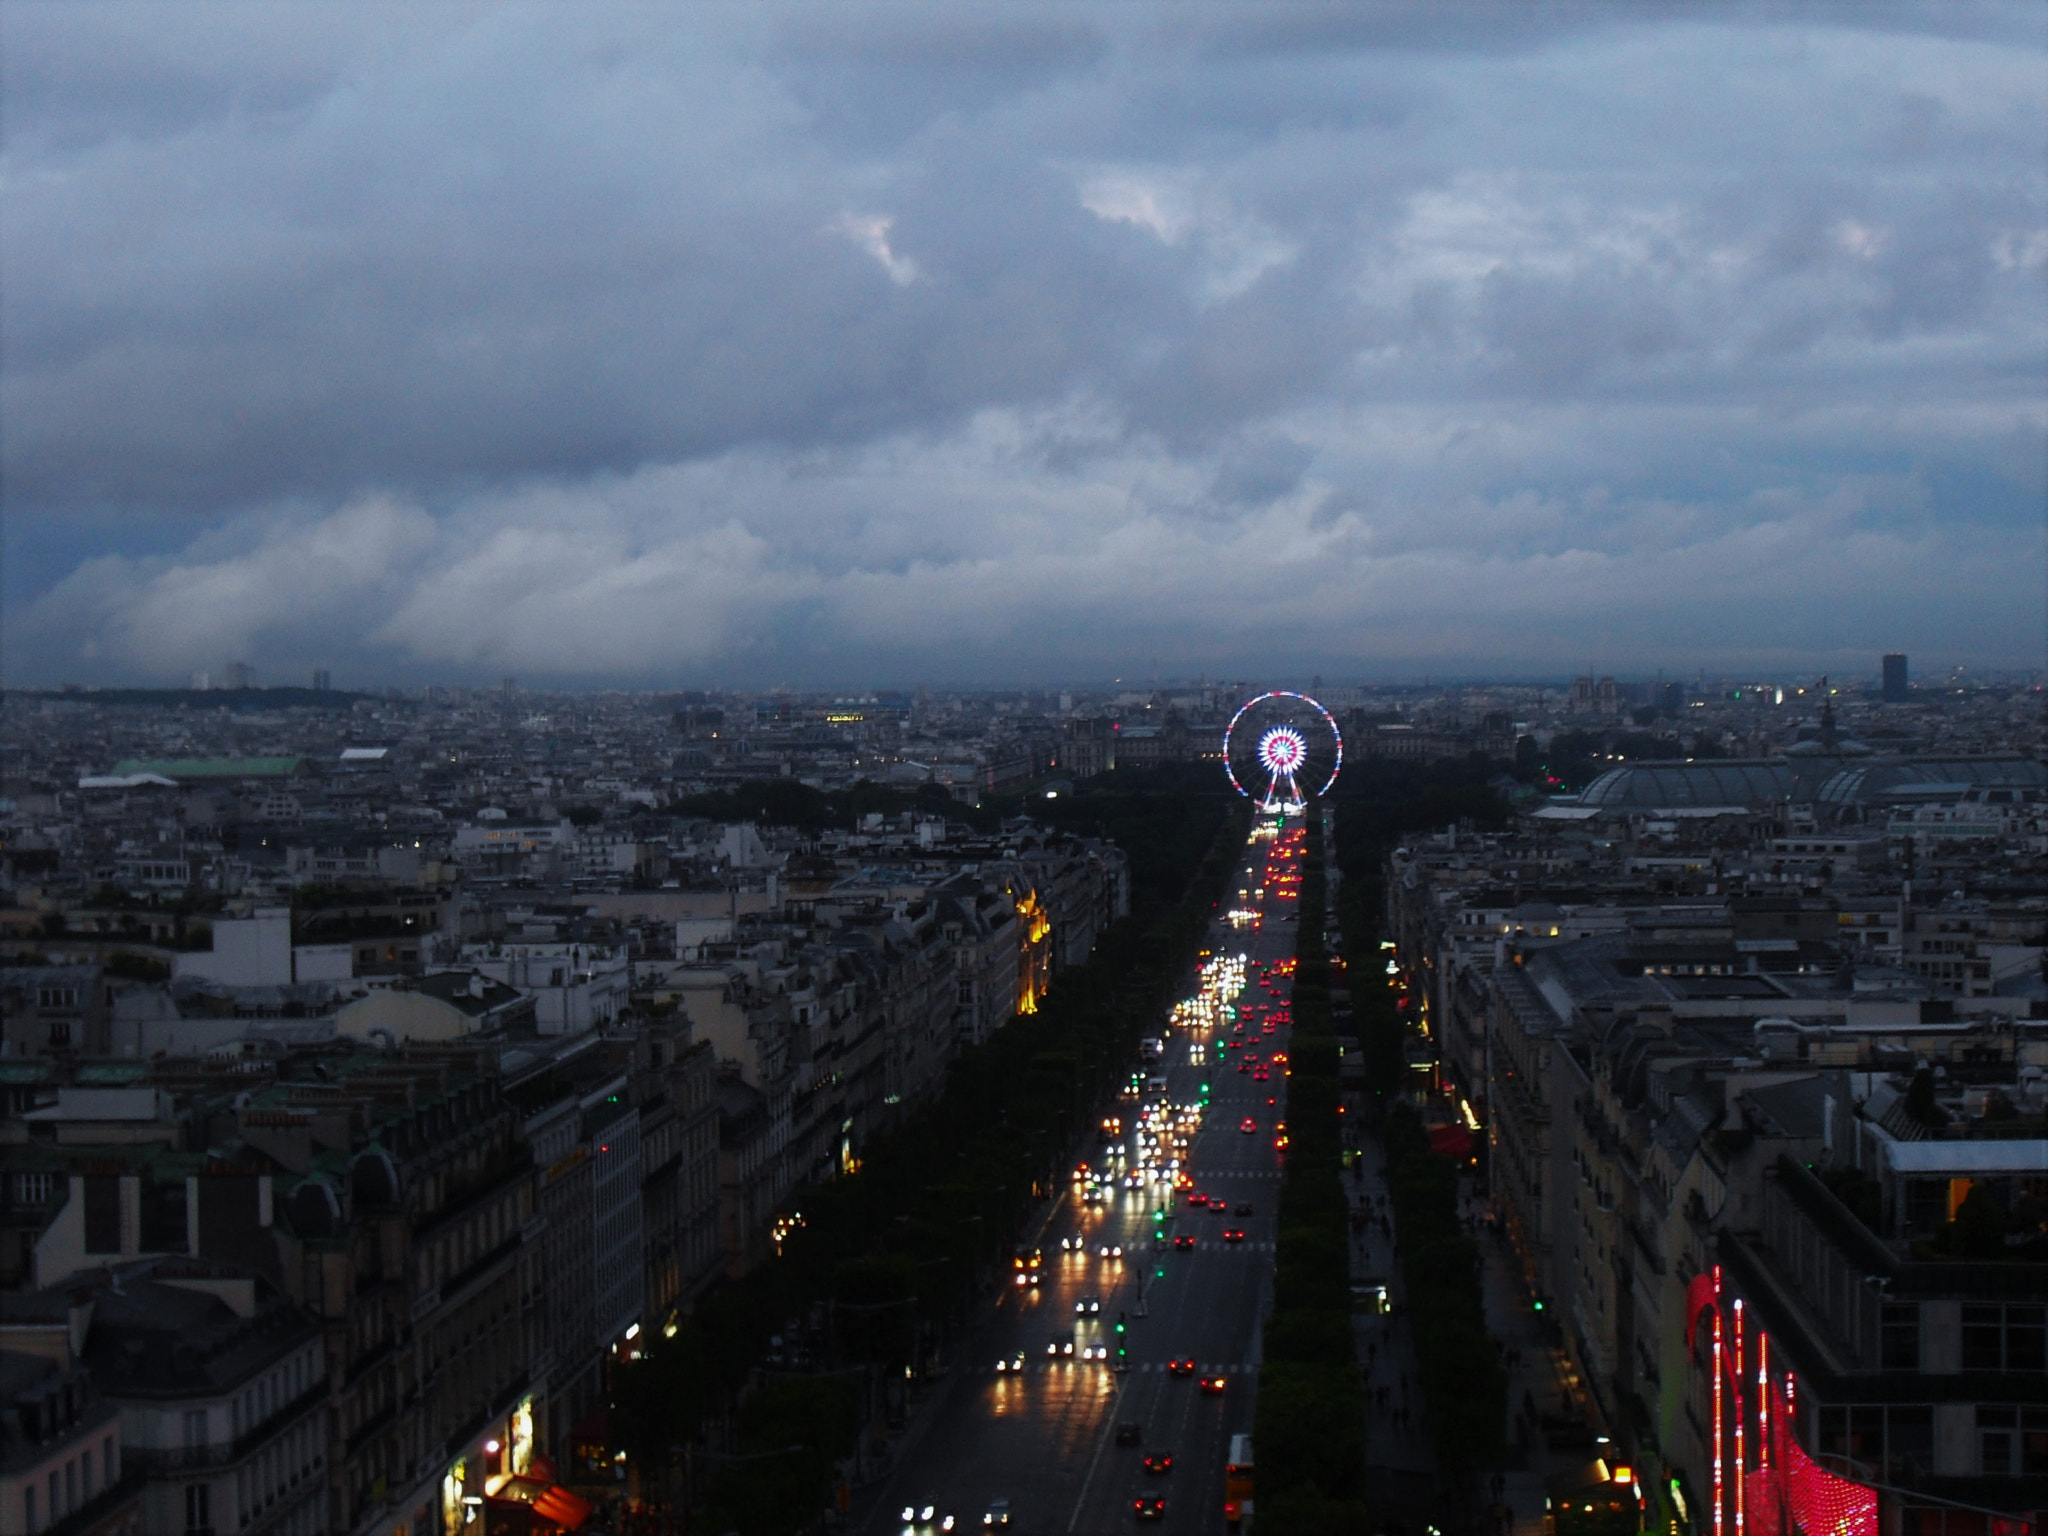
column 861, row 344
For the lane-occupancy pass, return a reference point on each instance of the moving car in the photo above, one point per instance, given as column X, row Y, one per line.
column 1249, row 1126
column 1159, row 1462
column 1088, row 1306
column 1184, row 1240
column 1149, row 1508
column 1010, row 1364
column 1180, row 1367
column 1213, row 1385
column 997, row 1516
column 1233, row 1235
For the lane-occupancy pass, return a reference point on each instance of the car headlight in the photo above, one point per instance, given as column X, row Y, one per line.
column 909, row 1513
column 927, row 1513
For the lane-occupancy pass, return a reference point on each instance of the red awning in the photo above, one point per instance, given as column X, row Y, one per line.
column 1451, row 1140
column 550, row 1501
column 566, row 1509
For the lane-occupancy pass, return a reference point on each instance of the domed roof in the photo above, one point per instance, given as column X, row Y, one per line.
column 1664, row 786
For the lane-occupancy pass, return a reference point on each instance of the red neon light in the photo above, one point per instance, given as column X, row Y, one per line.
column 1699, row 1296
column 1794, row 1495
column 1767, row 1505
column 1763, row 1401
column 1824, row 1504
column 1741, row 1514
column 1720, row 1497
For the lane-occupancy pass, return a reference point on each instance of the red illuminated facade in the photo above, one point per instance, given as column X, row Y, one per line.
column 1764, row 1483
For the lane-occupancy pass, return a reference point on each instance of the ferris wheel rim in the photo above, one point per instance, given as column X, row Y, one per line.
column 1336, row 737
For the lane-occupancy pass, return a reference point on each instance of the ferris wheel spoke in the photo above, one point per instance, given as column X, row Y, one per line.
column 1275, row 743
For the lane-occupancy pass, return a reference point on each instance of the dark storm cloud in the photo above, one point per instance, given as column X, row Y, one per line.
column 612, row 342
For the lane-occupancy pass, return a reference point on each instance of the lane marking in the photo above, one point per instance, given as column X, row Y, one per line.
column 1102, row 1440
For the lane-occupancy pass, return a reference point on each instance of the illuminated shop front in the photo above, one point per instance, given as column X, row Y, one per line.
column 503, row 1486
column 1763, row 1481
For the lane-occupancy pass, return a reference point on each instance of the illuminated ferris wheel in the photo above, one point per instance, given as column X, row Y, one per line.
column 1281, row 748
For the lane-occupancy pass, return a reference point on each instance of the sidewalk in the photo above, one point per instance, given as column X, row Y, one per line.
column 1401, row 1471
column 1537, row 1374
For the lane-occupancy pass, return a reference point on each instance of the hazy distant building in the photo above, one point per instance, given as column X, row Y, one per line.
column 1895, row 678
column 322, row 680
column 1596, row 698
column 238, row 674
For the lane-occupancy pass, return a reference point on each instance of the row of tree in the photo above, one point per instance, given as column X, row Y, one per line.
column 1381, row 803
column 882, row 1263
column 1464, row 1385
column 1310, row 1426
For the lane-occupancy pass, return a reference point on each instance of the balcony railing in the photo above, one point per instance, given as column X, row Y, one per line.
column 370, row 1426
column 192, row 1458
column 100, row 1505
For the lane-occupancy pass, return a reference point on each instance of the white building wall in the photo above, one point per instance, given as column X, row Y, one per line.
column 253, row 951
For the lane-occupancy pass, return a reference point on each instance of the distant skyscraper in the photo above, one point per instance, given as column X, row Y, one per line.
column 238, row 674
column 322, row 679
column 1895, row 678
column 202, row 681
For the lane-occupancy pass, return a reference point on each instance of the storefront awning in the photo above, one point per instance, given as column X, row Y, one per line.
column 548, row 1501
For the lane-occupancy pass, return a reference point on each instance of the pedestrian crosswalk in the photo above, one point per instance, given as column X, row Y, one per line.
column 1142, row 1368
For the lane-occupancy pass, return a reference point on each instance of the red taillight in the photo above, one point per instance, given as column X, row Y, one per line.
column 1229, row 1511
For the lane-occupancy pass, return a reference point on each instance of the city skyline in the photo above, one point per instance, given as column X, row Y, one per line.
column 751, row 347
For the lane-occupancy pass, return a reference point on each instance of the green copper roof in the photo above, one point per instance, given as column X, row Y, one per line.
column 183, row 768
